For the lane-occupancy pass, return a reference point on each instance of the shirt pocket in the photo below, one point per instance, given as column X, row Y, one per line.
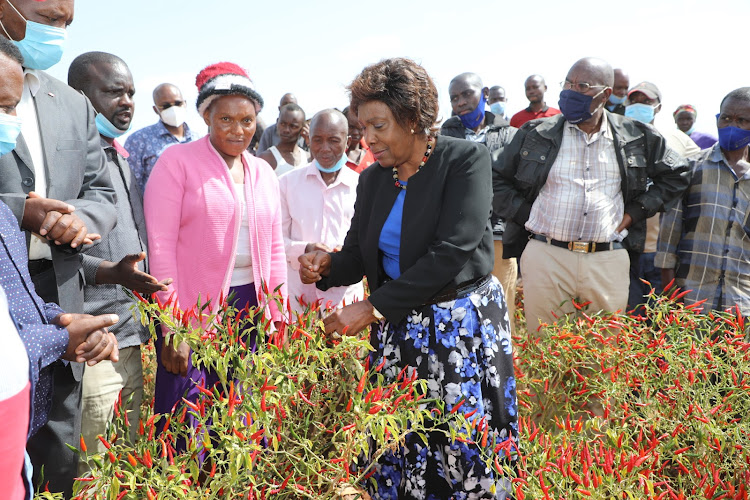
column 530, row 166
column 635, row 166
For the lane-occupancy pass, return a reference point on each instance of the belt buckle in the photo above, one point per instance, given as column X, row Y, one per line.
column 580, row 246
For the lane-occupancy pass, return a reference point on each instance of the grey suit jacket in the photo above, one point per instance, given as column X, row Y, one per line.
column 76, row 173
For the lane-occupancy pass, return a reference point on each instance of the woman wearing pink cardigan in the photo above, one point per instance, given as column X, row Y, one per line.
column 214, row 221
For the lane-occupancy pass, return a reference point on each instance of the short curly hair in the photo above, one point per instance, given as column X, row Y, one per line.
column 402, row 85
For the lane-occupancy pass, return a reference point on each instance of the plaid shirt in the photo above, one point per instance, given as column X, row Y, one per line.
column 582, row 198
column 706, row 236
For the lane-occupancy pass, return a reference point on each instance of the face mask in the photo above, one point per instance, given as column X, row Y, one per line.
column 498, row 108
column 334, row 168
column 617, row 100
column 473, row 119
column 733, row 138
column 174, row 116
column 576, row 106
column 106, row 128
column 10, row 129
column 641, row 112
column 42, row 46
column 690, row 130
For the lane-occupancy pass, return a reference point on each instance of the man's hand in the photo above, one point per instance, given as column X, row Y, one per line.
column 127, row 274
column 89, row 341
column 627, row 220
column 305, row 132
column 56, row 221
column 175, row 360
column 313, row 266
column 312, row 247
column 356, row 317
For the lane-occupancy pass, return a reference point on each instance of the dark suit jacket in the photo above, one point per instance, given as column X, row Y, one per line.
column 446, row 235
column 76, row 173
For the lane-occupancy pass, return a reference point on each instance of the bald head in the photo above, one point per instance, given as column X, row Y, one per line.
column 593, row 71
column 471, row 79
column 621, row 83
column 535, row 88
column 165, row 90
column 84, row 66
column 329, row 130
column 287, row 98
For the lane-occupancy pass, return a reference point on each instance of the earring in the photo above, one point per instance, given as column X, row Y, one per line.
column 412, row 131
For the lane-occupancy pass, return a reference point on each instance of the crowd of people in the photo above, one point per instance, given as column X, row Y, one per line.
column 583, row 202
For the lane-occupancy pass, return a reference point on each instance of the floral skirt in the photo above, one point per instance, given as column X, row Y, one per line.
column 463, row 350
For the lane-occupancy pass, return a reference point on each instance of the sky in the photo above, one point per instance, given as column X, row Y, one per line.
column 690, row 49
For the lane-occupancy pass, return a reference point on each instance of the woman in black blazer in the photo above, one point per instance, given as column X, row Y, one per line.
column 421, row 233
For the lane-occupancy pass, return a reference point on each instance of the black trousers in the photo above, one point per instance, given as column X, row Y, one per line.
column 55, row 465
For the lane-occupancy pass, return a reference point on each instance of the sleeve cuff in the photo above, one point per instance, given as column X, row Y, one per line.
column 293, row 251
column 90, row 266
column 636, row 211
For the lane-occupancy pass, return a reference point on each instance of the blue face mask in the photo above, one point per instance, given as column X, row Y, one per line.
column 335, row 168
column 733, row 138
column 473, row 119
column 42, row 46
column 641, row 112
column 617, row 100
column 498, row 108
column 690, row 130
column 106, row 128
column 576, row 107
column 10, row 129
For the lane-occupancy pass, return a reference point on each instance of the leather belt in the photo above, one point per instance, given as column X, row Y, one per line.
column 580, row 246
column 461, row 289
column 39, row 266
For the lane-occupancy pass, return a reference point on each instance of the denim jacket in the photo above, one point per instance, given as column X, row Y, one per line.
column 653, row 176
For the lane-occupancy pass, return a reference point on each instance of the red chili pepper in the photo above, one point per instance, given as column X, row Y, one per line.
column 457, row 406
column 83, row 445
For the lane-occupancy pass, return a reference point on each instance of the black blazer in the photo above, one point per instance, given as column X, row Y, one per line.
column 446, row 234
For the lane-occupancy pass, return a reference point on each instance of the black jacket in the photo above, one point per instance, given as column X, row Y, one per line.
column 499, row 135
column 446, row 237
column 653, row 176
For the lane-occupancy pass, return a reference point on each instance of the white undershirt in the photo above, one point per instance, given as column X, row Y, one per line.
column 242, row 274
column 26, row 111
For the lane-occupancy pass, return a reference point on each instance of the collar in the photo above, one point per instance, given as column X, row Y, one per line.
column 604, row 130
column 31, row 79
column 346, row 175
column 163, row 129
column 543, row 110
column 116, row 146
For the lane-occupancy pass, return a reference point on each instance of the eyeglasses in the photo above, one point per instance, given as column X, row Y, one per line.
column 581, row 87
column 170, row 104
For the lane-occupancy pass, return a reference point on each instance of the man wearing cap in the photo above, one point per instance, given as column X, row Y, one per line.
column 576, row 190
column 147, row 144
column 703, row 241
column 644, row 102
column 684, row 117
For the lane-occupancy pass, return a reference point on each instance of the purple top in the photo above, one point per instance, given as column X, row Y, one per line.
column 703, row 140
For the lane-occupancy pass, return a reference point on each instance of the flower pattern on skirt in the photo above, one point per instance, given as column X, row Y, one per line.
column 463, row 350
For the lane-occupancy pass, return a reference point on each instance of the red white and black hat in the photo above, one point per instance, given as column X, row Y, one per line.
column 222, row 79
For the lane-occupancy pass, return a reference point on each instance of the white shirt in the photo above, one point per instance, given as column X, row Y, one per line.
column 26, row 111
column 582, row 198
column 242, row 274
column 315, row 213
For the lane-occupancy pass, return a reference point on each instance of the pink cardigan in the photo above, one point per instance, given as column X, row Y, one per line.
column 192, row 217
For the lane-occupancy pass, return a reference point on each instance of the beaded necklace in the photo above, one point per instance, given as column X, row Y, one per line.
column 427, row 153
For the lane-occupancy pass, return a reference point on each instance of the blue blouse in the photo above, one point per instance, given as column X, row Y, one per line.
column 390, row 237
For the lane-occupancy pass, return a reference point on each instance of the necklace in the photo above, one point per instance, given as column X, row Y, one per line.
column 427, row 153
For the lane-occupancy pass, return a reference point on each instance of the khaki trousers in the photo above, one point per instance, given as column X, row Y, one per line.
column 101, row 385
column 552, row 276
column 506, row 272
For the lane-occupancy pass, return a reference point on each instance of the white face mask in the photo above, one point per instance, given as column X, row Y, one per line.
column 174, row 116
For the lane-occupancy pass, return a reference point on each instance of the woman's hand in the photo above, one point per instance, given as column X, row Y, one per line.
column 356, row 317
column 175, row 360
column 313, row 266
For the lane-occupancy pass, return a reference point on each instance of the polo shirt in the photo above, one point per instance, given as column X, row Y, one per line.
column 527, row 115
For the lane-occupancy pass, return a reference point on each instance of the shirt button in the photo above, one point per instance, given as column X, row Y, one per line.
column 525, row 153
column 585, row 214
column 28, row 181
column 542, row 157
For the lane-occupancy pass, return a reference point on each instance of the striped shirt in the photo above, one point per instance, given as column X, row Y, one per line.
column 706, row 236
column 582, row 198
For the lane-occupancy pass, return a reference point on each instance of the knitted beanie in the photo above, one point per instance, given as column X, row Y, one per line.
column 221, row 79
